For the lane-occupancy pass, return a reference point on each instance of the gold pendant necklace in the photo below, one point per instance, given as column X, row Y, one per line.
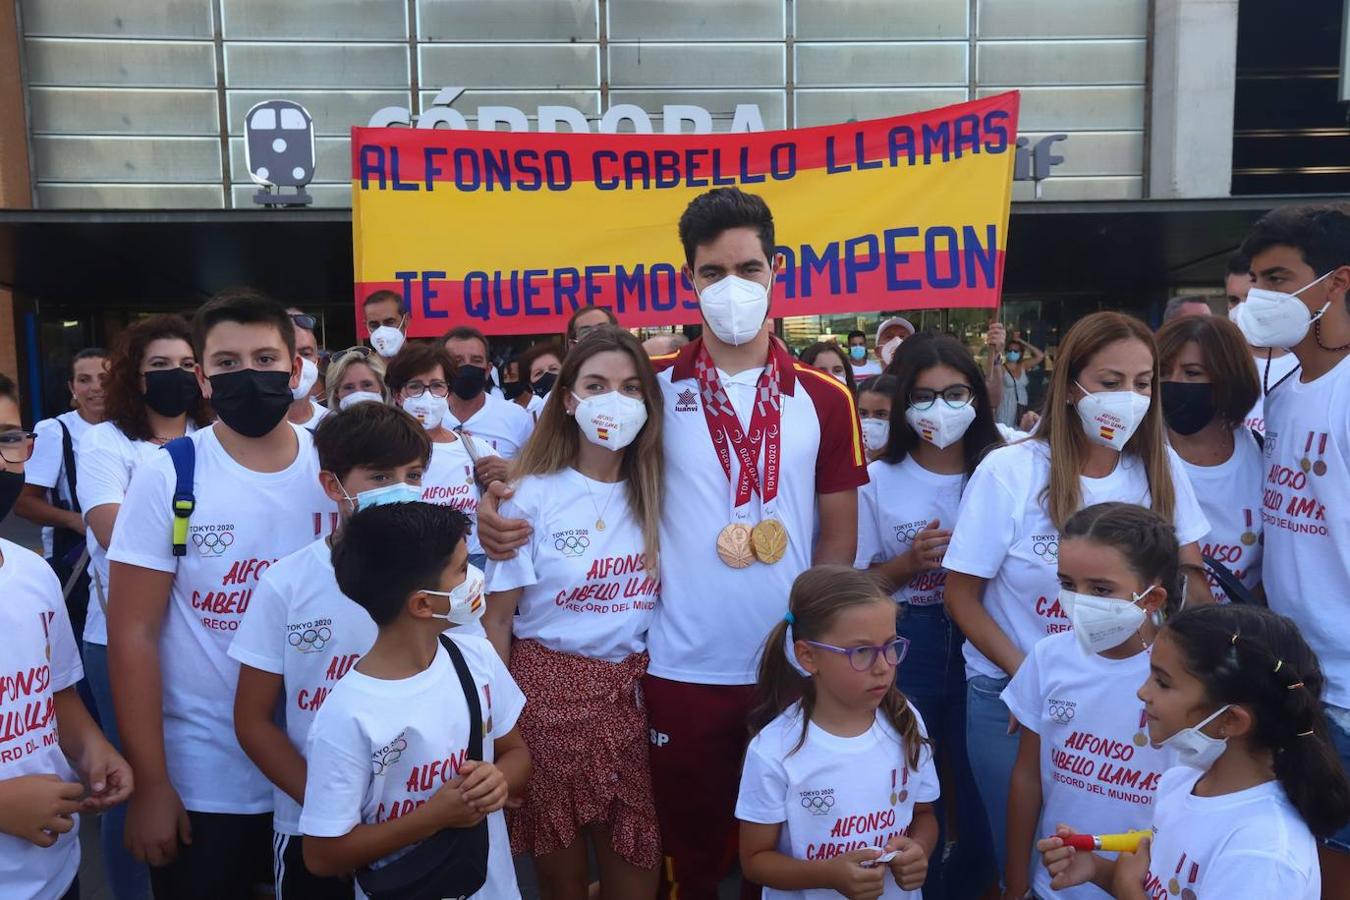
column 599, row 511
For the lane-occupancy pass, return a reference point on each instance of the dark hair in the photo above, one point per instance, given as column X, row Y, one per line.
column 530, row 356
column 818, row 595
column 382, row 296
column 385, row 554
column 374, row 435
column 1238, row 263
column 1248, row 655
column 8, row 388
column 124, row 398
column 856, row 333
column 1232, row 372
column 581, row 311
column 1146, row 540
column 917, row 354
column 1320, row 233
column 413, row 360
column 244, row 306
column 879, row 384
column 811, row 353
column 466, row 333
column 86, row 353
column 709, row 214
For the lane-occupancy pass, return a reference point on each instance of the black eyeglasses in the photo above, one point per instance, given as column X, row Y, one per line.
column 954, row 395
column 416, row 388
column 304, row 320
column 17, row 446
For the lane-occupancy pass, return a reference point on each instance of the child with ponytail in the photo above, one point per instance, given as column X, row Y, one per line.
column 1235, row 692
column 838, row 787
column 1083, row 754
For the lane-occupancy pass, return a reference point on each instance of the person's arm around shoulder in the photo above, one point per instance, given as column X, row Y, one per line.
column 501, row 537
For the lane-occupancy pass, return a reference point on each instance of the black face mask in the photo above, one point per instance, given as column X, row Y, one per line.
column 1187, row 406
column 11, row 485
column 469, row 382
column 251, row 402
column 171, row 392
column 513, row 389
column 544, row 383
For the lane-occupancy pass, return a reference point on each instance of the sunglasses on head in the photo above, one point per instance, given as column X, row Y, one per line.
column 304, row 320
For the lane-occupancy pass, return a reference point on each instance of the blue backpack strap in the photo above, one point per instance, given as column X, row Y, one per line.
column 184, row 455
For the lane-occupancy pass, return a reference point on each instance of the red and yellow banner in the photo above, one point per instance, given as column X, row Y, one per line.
column 512, row 232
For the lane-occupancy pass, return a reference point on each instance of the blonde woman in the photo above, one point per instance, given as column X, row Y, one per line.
column 355, row 375
column 1102, row 439
column 578, row 599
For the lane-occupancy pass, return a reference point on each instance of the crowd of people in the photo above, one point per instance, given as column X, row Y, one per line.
column 863, row 621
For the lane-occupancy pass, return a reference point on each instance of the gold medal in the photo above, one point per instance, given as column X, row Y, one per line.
column 1248, row 538
column 1305, row 464
column 1140, row 739
column 770, row 540
column 1173, row 886
column 733, row 545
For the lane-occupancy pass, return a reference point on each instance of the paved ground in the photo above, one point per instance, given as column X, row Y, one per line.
column 92, row 885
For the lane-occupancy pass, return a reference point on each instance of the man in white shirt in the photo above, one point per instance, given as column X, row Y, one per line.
column 486, row 416
column 863, row 367
column 181, row 576
column 306, row 411
column 48, row 499
column 1273, row 364
column 792, row 431
column 1300, row 270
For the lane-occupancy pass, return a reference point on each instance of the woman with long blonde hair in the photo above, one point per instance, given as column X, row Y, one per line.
column 1102, row 438
column 569, row 614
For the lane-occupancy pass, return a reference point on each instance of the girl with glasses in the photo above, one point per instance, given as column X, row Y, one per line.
column 1102, row 439
column 839, row 782
column 942, row 425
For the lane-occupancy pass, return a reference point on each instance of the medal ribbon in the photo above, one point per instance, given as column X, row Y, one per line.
column 724, row 427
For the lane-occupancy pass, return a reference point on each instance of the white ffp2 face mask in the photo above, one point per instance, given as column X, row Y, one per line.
column 1196, row 749
column 875, row 432
column 734, row 308
column 610, row 420
column 428, row 409
column 387, row 341
column 940, row 424
column 887, row 351
column 467, row 603
column 1274, row 318
column 1100, row 623
column 309, row 373
column 1111, row 418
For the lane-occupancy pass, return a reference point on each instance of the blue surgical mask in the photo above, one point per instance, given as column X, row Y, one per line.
column 858, row 352
column 1014, row 355
column 390, row 493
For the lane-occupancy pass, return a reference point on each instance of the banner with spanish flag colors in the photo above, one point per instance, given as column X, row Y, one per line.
column 512, row 232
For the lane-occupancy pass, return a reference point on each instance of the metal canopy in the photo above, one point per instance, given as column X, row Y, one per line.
column 173, row 257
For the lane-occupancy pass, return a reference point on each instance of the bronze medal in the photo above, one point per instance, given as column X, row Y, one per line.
column 1187, row 894
column 770, row 540
column 904, row 795
column 734, row 546
column 1319, row 468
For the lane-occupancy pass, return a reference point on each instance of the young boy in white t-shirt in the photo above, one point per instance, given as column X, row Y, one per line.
column 201, row 814
column 389, row 763
column 54, row 761
column 302, row 634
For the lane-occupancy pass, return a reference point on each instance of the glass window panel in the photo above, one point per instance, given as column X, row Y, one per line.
column 507, row 20
column 880, row 65
column 699, row 20
column 696, row 65
column 876, row 20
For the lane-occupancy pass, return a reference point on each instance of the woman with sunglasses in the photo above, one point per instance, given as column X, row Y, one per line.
column 419, row 378
column 942, row 425
column 355, row 375
column 152, row 398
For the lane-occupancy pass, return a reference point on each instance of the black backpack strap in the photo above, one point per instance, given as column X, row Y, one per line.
column 466, row 682
column 68, row 463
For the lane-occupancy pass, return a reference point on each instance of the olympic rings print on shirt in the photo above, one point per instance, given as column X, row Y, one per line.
column 212, row 543
column 311, row 640
column 818, row 804
column 1047, row 549
column 572, row 544
column 1061, row 711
